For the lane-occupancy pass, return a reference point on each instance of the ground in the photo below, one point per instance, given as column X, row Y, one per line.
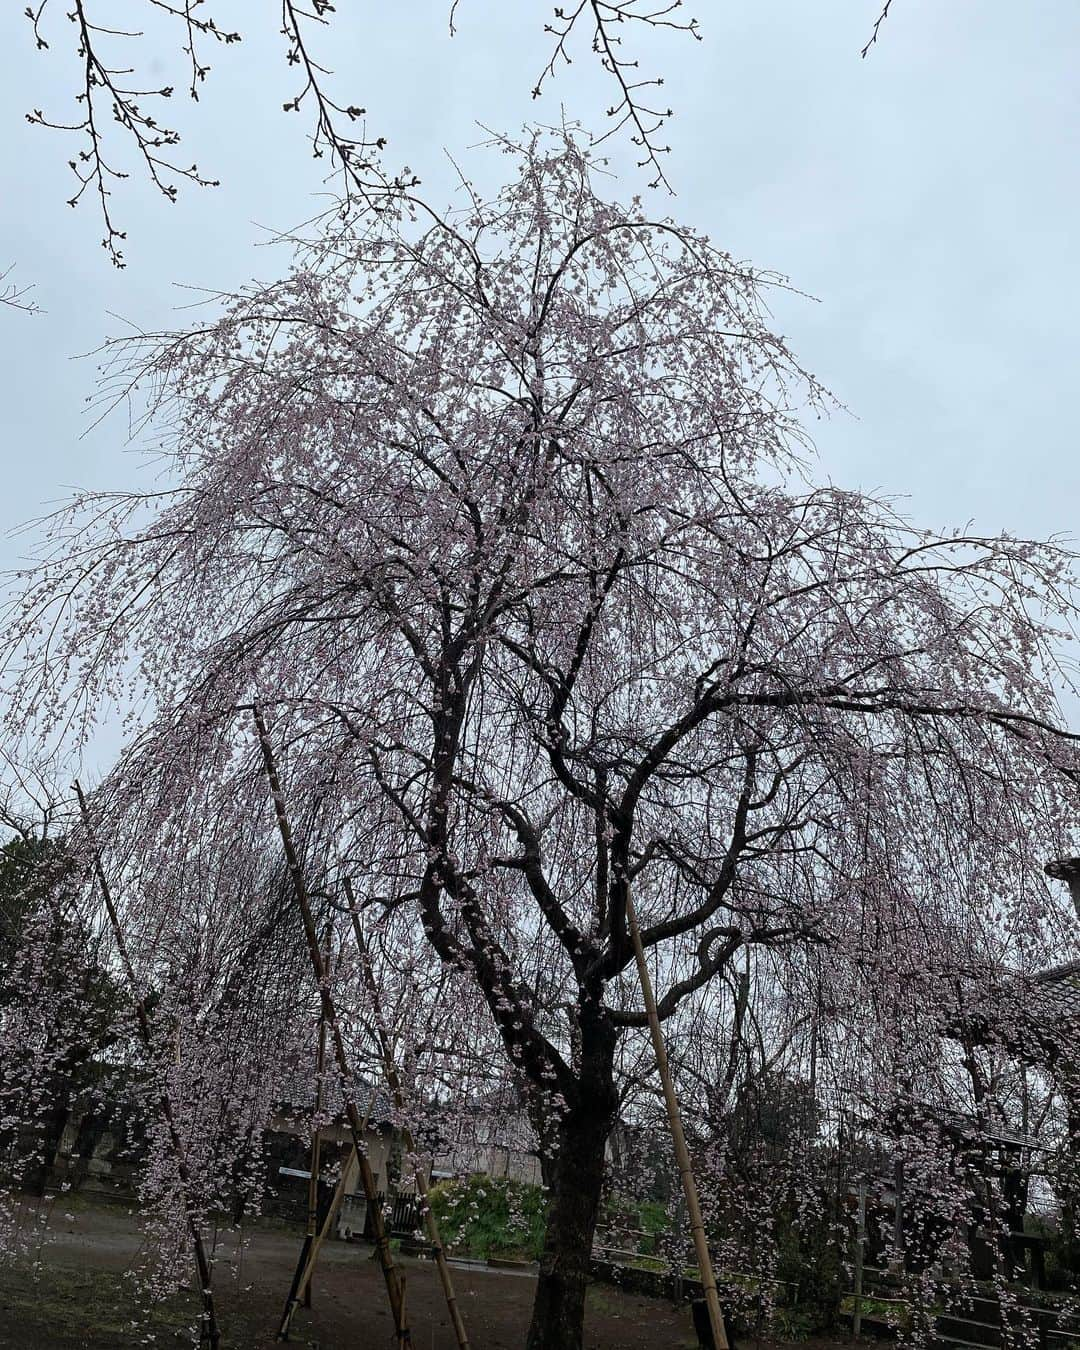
column 79, row 1298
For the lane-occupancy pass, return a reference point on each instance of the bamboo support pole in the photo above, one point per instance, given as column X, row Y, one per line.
column 682, row 1153
column 391, row 1275
column 860, row 1245
column 210, row 1333
column 313, row 1175
column 393, row 1080
column 309, row 1253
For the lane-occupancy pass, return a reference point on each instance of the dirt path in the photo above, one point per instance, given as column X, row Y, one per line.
column 81, row 1300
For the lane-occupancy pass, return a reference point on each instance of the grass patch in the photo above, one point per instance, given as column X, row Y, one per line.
column 893, row 1314
column 65, row 1308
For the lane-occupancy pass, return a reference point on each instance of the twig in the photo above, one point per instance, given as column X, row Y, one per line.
column 877, row 27
column 15, row 296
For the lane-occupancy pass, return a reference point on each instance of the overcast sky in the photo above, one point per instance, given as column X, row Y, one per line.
column 926, row 196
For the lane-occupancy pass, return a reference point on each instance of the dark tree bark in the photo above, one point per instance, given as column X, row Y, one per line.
column 577, row 1179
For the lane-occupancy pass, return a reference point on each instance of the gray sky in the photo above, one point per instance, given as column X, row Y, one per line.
column 927, row 197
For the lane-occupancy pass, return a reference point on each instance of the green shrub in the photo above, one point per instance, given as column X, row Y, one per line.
column 809, row 1267
column 1062, row 1250
column 485, row 1217
column 652, row 1217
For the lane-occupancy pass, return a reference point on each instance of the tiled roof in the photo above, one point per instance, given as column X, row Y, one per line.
column 374, row 1100
column 990, row 1132
column 1034, row 1016
column 1055, row 995
column 371, row 1100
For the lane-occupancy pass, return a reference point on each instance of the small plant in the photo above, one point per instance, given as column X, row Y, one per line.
column 795, row 1324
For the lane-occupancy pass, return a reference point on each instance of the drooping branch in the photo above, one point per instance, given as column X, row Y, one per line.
column 209, row 1329
column 110, row 98
column 116, row 107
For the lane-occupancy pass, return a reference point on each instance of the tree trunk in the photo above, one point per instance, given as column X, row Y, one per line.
column 574, row 1202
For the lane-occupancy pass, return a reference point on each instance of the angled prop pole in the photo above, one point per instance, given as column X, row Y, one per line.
column 393, row 1081
column 211, row 1334
column 678, row 1138
column 391, row 1275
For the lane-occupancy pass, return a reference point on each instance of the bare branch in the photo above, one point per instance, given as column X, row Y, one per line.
column 15, row 297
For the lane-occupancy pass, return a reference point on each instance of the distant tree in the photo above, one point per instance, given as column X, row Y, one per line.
column 60, row 1008
column 20, row 860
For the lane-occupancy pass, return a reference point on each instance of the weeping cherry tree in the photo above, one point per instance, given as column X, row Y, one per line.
column 502, row 519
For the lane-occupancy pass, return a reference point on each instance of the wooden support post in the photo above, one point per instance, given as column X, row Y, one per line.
column 682, row 1153
column 394, row 1083
column 210, row 1333
column 391, row 1275
column 860, row 1242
